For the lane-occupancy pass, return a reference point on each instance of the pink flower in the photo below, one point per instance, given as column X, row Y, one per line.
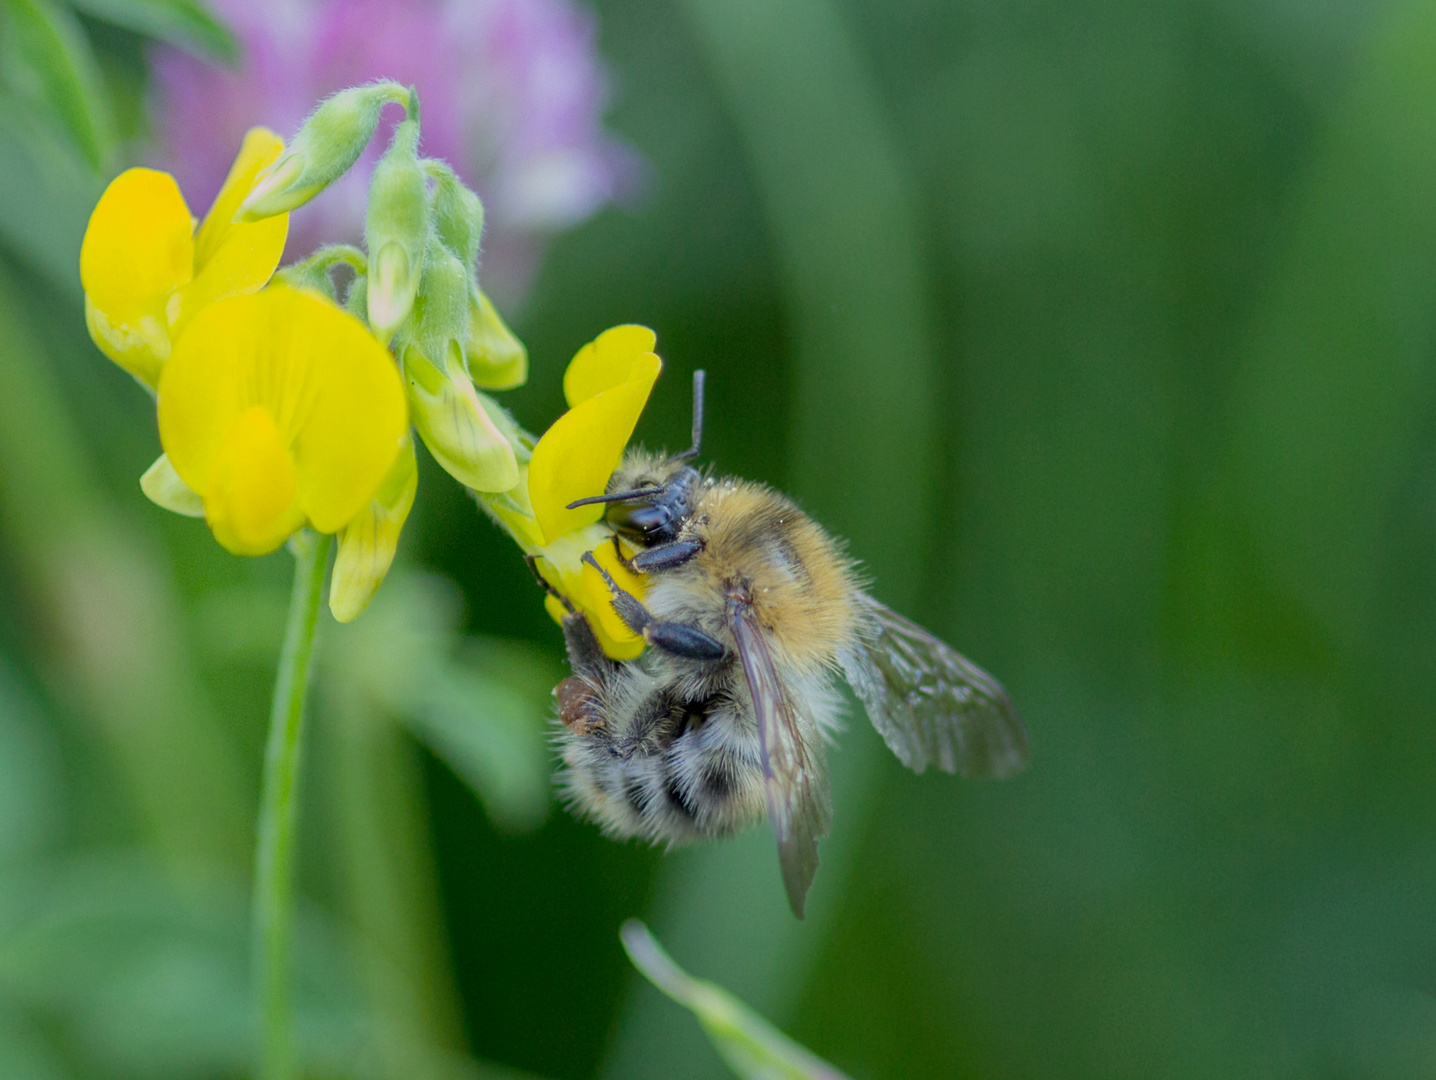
column 512, row 91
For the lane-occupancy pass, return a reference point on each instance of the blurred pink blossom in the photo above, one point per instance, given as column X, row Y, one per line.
column 512, row 92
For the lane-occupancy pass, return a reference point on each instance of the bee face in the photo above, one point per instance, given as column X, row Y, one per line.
column 656, row 514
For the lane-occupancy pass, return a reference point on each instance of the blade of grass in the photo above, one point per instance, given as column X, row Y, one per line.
column 754, row 1048
column 47, row 59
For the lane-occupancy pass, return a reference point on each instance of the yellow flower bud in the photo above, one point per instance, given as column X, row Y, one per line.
column 455, row 425
column 497, row 360
column 607, row 384
column 368, row 542
column 163, row 487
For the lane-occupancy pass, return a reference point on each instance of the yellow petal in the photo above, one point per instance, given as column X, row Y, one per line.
column 578, row 454
column 516, row 512
column 368, row 543
column 231, row 259
column 605, row 362
column 137, row 250
column 586, row 590
column 332, row 390
column 251, row 501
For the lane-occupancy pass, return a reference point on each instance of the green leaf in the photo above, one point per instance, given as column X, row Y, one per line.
column 46, row 58
column 751, row 1046
column 183, row 23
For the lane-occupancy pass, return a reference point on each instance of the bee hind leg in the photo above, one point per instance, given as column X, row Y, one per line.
column 671, row 637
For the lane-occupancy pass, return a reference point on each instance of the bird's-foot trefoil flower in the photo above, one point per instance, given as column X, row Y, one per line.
column 279, row 410
column 606, row 385
column 147, row 270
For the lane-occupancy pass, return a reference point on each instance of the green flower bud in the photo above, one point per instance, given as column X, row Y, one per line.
column 356, row 300
column 396, row 231
column 315, row 273
column 330, row 141
column 441, row 308
column 497, row 360
column 457, row 213
column 454, row 421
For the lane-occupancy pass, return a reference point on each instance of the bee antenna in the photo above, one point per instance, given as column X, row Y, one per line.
column 692, row 451
column 617, row 496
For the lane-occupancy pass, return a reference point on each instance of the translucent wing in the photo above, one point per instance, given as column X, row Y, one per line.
column 930, row 704
column 795, row 770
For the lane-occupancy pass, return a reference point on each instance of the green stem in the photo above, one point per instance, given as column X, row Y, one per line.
column 274, row 864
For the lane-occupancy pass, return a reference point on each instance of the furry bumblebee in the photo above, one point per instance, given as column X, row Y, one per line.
column 751, row 612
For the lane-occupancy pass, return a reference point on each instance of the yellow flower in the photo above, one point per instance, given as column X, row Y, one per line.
column 607, row 385
column 278, row 409
column 147, row 271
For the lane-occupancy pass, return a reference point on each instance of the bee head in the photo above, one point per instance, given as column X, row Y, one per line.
column 649, row 499
column 658, row 503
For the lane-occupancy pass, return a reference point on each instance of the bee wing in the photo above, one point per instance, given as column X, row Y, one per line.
column 931, row 704
column 795, row 771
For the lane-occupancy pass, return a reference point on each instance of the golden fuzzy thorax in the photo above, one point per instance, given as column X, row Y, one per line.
column 801, row 585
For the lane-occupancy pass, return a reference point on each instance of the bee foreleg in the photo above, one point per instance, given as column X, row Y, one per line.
column 664, row 556
column 675, row 638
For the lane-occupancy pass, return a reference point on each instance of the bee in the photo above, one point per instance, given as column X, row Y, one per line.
column 751, row 612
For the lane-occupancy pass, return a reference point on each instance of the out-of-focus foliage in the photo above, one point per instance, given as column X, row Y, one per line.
column 752, row 1047
column 1161, row 282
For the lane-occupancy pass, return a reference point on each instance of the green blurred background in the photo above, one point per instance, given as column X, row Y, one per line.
column 1104, row 330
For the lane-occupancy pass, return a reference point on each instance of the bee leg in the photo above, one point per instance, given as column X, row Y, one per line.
column 664, row 556
column 671, row 637
column 532, row 563
column 585, row 655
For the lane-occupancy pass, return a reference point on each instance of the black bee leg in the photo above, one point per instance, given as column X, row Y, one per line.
column 585, row 655
column 532, row 563
column 618, row 554
column 671, row 637
column 664, row 556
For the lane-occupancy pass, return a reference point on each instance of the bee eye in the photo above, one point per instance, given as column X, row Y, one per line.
column 642, row 519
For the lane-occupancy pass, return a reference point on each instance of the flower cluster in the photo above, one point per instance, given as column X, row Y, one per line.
column 514, row 93
column 283, row 405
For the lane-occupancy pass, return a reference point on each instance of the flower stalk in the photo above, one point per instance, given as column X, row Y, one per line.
column 274, row 859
